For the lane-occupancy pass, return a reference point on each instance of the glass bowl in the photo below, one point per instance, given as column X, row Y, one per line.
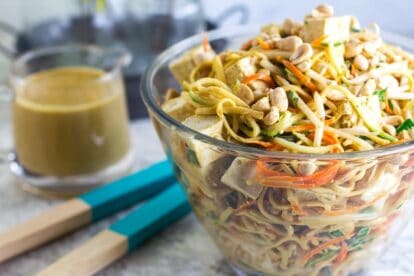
column 334, row 221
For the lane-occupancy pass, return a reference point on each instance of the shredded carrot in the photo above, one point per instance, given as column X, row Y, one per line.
column 328, row 137
column 263, row 144
column 317, row 42
column 301, row 77
column 303, row 127
column 264, row 45
column 354, row 209
column 388, row 108
column 260, row 76
column 270, row 178
column 310, row 126
column 275, row 147
column 343, row 252
column 296, row 208
column 321, row 247
column 205, row 42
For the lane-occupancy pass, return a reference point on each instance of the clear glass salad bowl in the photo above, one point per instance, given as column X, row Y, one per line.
column 333, row 221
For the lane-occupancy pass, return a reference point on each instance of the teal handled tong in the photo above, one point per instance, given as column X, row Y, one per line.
column 166, row 203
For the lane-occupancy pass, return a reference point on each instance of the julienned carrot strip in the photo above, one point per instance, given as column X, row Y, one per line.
column 301, row 77
column 317, row 42
column 275, row 147
column 309, row 126
column 263, row 44
column 297, row 209
column 354, row 209
column 328, row 137
column 343, row 252
column 321, row 247
column 303, row 127
column 205, row 42
column 388, row 108
column 263, row 144
column 270, row 178
column 260, row 76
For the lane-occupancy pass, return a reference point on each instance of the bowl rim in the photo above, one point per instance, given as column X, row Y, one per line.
column 227, row 32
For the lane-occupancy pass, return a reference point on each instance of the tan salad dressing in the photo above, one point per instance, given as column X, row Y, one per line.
column 70, row 121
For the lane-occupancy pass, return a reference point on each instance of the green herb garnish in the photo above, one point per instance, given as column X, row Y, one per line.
column 323, row 257
column 406, row 125
column 336, row 233
column 359, row 239
column 293, row 99
column 355, row 30
column 381, row 94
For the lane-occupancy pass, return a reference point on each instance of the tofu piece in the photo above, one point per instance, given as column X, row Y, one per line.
column 200, row 152
column 240, row 70
column 337, row 28
column 178, row 108
column 240, row 176
column 182, row 66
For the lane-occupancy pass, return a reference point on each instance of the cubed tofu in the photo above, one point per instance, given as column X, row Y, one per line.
column 178, row 108
column 182, row 66
column 200, row 152
column 240, row 70
column 337, row 28
column 241, row 177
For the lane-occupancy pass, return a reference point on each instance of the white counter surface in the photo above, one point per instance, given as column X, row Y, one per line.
column 182, row 249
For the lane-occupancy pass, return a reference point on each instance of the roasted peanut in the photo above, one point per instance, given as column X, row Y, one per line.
column 289, row 43
column 262, row 105
column 361, row 63
column 323, row 11
column 272, row 117
column 279, row 99
column 302, row 53
column 353, row 48
column 290, row 27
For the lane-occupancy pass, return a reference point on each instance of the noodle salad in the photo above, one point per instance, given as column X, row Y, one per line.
column 324, row 85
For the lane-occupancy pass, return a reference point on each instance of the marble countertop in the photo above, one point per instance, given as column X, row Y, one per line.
column 182, row 249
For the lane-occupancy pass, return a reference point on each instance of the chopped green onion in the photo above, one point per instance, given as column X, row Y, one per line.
column 292, row 98
column 335, row 44
column 336, row 233
column 381, row 94
column 406, row 125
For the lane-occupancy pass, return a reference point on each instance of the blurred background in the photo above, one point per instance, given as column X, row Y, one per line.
column 146, row 27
